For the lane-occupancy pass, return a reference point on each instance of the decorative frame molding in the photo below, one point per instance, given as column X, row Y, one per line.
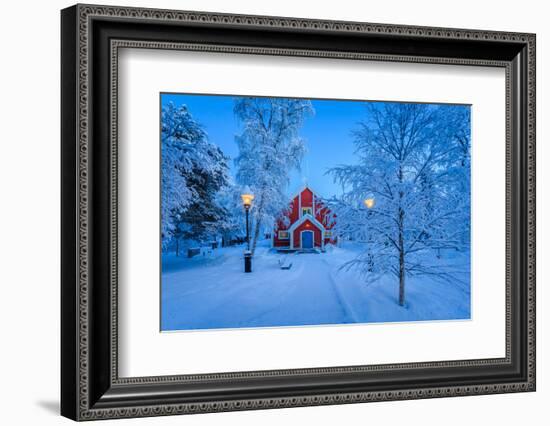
column 91, row 37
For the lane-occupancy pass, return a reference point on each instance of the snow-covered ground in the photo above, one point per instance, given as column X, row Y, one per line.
column 212, row 291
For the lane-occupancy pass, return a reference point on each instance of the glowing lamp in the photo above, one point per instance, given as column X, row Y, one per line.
column 369, row 203
column 247, row 200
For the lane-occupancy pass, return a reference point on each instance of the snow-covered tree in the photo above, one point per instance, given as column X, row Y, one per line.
column 193, row 170
column 204, row 218
column 229, row 199
column 414, row 166
column 270, row 147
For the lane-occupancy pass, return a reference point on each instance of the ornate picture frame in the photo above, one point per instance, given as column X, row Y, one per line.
column 91, row 37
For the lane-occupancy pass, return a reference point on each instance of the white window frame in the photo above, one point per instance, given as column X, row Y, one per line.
column 283, row 238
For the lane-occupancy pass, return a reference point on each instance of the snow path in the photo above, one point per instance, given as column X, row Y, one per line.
column 217, row 294
column 311, row 284
column 214, row 292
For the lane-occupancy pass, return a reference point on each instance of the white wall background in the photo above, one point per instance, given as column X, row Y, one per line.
column 29, row 213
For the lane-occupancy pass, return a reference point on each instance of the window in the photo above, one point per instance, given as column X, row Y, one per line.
column 328, row 234
column 307, row 210
column 283, row 235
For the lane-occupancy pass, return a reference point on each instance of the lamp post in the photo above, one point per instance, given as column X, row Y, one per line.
column 247, row 203
column 369, row 204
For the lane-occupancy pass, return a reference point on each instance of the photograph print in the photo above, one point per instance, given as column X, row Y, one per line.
column 281, row 212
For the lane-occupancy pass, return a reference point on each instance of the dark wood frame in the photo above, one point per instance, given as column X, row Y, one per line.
column 90, row 386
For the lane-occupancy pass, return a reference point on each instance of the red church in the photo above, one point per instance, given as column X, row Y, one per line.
column 306, row 225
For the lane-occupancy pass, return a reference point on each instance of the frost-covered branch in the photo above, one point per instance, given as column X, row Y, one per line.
column 414, row 162
column 193, row 171
column 270, row 147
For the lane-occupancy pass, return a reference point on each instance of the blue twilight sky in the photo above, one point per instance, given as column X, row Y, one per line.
column 327, row 134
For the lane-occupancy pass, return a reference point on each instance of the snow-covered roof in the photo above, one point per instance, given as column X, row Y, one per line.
column 302, row 190
column 305, row 218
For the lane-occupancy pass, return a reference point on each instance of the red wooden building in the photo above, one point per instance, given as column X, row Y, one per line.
column 307, row 224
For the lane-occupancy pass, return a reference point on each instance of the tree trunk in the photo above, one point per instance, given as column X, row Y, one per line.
column 177, row 247
column 258, row 224
column 256, row 236
column 401, row 279
column 401, row 261
column 401, row 221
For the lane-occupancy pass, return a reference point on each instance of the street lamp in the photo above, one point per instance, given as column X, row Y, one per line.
column 369, row 203
column 247, row 203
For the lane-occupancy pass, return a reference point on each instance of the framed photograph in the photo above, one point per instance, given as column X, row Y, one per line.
column 263, row 212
